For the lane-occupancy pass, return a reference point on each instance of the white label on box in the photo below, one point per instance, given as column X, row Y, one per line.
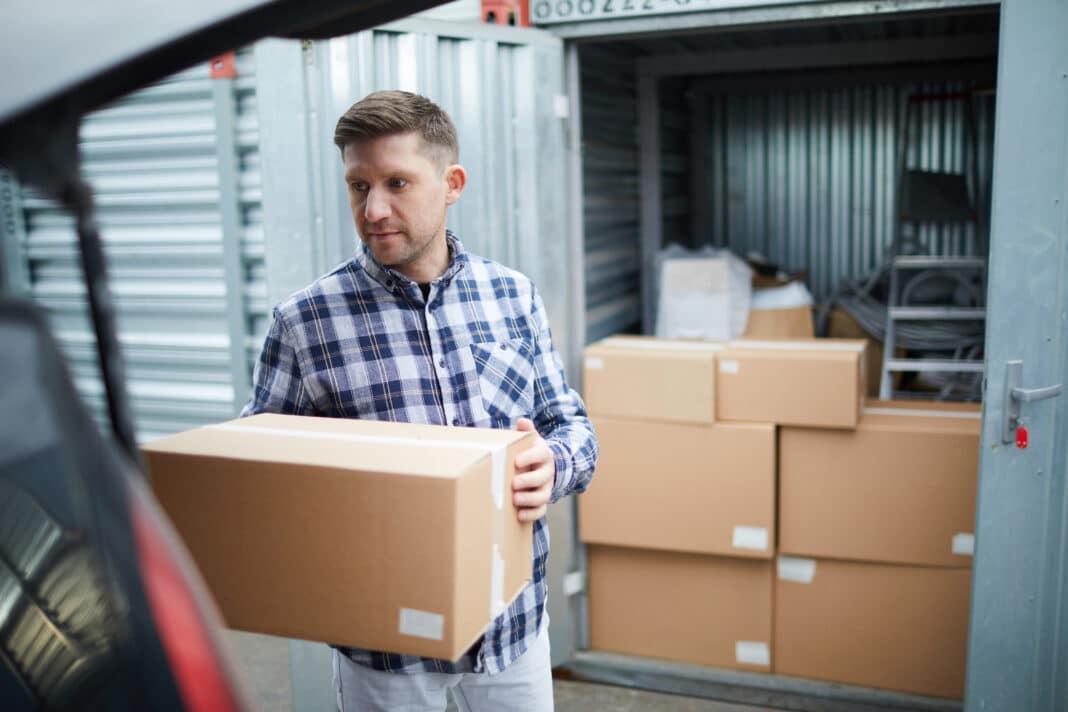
column 750, row 538
column 792, row 568
column 421, row 624
column 752, row 652
column 497, row 584
column 964, row 544
column 594, row 363
column 727, row 365
column 574, row 583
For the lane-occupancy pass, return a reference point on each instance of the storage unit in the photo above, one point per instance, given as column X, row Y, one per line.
column 770, row 127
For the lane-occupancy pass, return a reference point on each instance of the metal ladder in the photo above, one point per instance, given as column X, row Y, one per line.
column 931, row 198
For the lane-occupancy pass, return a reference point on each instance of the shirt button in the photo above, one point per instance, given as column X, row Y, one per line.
column 504, row 347
column 441, row 362
column 456, row 422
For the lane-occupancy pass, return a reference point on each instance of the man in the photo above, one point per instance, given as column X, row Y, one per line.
column 415, row 329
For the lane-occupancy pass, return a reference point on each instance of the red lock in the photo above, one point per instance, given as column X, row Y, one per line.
column 1021, row 437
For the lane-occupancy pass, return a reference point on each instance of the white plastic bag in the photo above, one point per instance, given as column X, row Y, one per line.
column 702, row 294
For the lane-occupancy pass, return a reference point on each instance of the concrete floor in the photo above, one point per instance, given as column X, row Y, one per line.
column 263, row 662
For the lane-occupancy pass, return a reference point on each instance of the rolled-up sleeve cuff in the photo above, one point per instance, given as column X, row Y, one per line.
column 564, row 469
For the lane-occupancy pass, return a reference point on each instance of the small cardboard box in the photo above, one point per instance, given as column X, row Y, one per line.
column 705, row 610
column 713, row 494
column 651, row 379
column 785, row 323
column 844, row 326
column 895, row 627
column 900, row 488
column 387, row 536
column 810, row 382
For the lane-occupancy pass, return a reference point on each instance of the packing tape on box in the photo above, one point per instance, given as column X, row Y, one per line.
column 498, row 457
column 814, row 345
column 497, row 605
column 793, row 568
column 920, row 413
column 498, row 452
column 752, row 652
column 755, row 538
column 594, row 363
column 421, row 624
column 963, row 544
column 663, row 344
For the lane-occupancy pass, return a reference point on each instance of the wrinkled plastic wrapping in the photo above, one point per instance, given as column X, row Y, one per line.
column 701, row 294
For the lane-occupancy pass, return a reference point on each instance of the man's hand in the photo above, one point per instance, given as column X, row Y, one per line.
column 535, row 469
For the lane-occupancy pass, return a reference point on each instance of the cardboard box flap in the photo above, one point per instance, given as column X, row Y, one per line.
column 646, row 342
column 822, row 346
column 919, row 420
column 271, row 437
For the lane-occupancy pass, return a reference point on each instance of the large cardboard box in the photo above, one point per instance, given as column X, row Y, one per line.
column 705, row 610
column 896, row 627
column 705, row 489
column 810, row 382
column 651, row 379
column 387, row 536
column 900, row 488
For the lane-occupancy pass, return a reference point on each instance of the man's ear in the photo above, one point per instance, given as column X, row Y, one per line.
column 455, row 180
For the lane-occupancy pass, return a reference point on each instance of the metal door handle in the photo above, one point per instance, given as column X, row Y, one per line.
column 1029, row 395
column 1015, row 394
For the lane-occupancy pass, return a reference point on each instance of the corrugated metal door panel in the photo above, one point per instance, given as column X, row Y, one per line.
column 610, row 191
column 808, row 178
column 152, row 161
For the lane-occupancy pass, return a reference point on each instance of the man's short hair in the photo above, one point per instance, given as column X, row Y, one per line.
column 385, row 113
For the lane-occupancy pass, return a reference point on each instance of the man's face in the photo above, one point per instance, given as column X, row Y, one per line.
column 399, row 196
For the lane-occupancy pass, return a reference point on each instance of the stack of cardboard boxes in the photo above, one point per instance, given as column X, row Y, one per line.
column 749, row 512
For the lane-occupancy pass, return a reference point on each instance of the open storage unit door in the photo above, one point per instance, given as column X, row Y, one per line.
column 776, row 128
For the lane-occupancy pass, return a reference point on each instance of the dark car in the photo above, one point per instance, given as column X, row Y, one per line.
column 100, row 607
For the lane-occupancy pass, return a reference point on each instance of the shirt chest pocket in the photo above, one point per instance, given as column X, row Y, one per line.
column 505, row 379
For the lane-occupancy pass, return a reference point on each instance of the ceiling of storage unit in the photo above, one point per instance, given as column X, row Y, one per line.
column 976, row 22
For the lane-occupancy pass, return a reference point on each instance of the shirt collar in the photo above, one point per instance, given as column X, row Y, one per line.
column 391, row 279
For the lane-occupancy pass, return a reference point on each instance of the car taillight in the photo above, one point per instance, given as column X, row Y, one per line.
column 183, row 616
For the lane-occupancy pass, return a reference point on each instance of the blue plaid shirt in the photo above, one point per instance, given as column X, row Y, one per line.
column 362, row 342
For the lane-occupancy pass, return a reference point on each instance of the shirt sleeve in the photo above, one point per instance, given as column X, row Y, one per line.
column 277, row 384
column 559, row 413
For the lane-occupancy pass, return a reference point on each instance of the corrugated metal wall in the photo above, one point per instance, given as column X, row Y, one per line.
column 676, row 166
column 610, row 188
column 153, row 159
column 807, row 178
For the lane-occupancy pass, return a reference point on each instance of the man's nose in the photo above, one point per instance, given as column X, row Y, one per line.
column 377, row 206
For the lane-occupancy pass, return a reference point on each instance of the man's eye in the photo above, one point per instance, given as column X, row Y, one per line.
column 359, row 187
column 398, row 182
